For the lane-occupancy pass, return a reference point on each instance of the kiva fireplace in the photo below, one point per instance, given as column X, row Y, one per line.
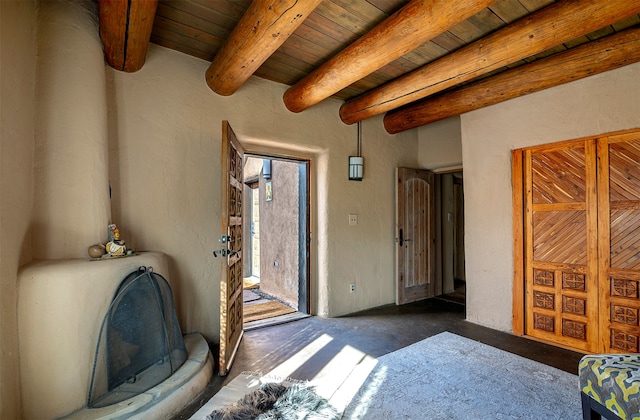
column 93, row 345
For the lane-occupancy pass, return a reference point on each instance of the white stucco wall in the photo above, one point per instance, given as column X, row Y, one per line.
column 71, row 201
column 440, row 145
column 598, row 104
column 17, row 108
column 165, row 129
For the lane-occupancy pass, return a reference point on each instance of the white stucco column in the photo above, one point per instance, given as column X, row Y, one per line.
column 71, row 200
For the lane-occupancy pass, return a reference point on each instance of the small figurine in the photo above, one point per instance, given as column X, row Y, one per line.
column 115, row 246
column 112, row 233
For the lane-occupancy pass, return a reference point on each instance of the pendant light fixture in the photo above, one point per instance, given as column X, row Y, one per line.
column 356, row 163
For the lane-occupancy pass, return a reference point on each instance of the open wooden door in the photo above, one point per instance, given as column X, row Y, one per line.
column 415, row 230
column 231, row 279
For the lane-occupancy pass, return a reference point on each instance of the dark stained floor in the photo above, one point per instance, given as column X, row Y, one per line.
column 376, row 332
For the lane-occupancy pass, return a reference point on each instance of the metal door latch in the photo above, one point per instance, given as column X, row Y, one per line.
column 224, row 239
column 225, row 252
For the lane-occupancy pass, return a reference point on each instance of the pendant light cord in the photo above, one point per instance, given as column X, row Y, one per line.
column 359, row 146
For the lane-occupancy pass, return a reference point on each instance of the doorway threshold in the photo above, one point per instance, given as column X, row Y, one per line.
column 276, row 320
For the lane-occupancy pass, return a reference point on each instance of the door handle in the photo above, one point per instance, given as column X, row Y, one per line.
column 224, row 252
column 402, row 240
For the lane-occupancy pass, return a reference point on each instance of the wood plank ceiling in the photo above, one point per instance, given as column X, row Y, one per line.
column 465, row 43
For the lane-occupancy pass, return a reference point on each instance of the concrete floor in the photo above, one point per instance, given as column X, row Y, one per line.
column 376, row 332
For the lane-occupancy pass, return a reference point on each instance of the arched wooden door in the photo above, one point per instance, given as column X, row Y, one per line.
column 415, row 230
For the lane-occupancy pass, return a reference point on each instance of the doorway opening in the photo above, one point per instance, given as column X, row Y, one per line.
column 451, row 236
column 276, row 260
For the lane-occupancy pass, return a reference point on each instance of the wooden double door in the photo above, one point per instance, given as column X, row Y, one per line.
column 577, row 237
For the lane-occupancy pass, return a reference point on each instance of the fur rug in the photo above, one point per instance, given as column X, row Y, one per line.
column 273, row 401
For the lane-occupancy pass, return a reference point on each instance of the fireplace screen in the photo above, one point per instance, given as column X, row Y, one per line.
column 140, row 343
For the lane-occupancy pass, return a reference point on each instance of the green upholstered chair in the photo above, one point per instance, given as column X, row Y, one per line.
column 610, row 386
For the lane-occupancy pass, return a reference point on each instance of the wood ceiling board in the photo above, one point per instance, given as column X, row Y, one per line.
column 362, row 10
column 182, row 31
column 172, row 45
column 343, row 18
column 533, row 5
column 577, row 41
column 509, row 10
column 181, row 39
column 331, row 29
column 467, row 32
column 328, row 45
column 600, row 33
column 389, row 6
column 448, row 41
column 486, row 21
column 187, row 20
column 627, row 23
column 232, row 9
column 303, row 50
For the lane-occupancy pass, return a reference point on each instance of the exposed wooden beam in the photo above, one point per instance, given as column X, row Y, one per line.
column 125, row 30
column 546, row 28
column 263, row 28
column 413, row 25
column 592, row 58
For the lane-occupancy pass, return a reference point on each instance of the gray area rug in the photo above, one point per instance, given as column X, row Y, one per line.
column 452, row 377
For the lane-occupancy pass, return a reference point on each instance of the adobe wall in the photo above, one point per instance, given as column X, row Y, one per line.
column 279, row 233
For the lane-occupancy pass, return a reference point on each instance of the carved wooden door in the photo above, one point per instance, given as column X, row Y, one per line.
column 561, row 254
column 231, row 279
column 415, row 253
column 619, row 207
column 582, row 243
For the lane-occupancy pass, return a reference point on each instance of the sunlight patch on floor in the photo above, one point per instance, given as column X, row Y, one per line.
column 351, row 384
column 334, row 373
column 341, row 379
column 292, row 364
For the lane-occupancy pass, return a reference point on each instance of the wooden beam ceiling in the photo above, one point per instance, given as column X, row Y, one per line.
column 416, row 23
column 605, row 54
column 395, row 56
column 263, row 28
column 553, row 25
